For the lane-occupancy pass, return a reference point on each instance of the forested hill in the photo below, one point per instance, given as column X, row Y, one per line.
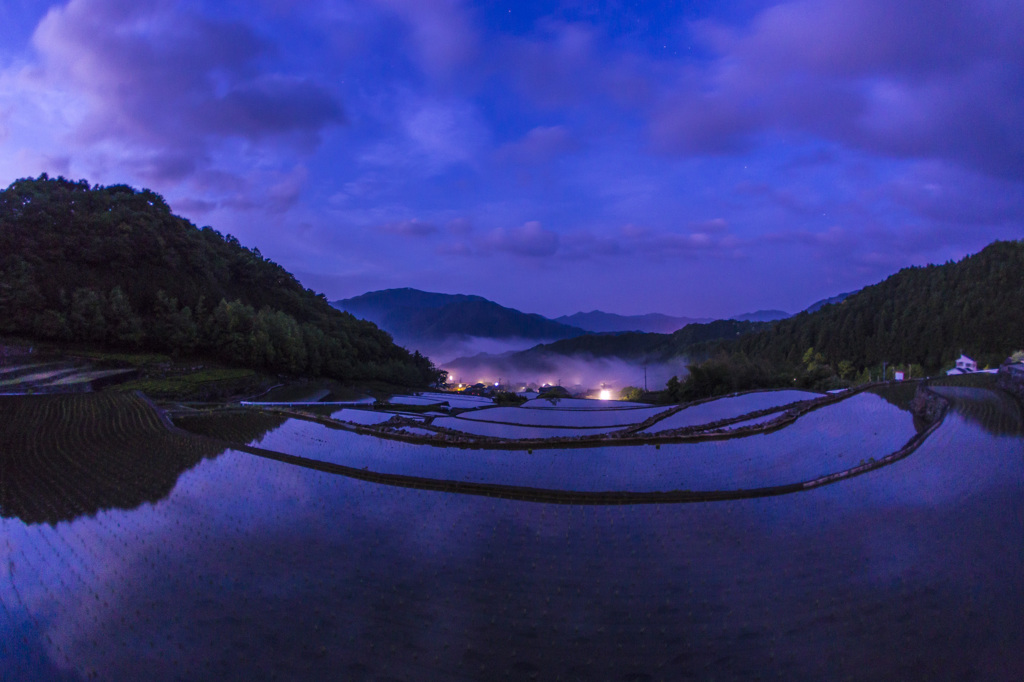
column 631, row 347
column 415, row 315
column 112, row 266
column 648, row 347
column 923, row 315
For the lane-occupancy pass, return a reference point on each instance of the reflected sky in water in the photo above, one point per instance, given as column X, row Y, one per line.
column 833, row 438
column 253, row 568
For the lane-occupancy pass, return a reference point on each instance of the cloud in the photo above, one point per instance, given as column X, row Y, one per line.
column 459, row 226
column 704, row 239
column 873, row 75
column 284, row 192
column 572, row 65
column 530, row 240
column 539, row 144
column 945, row 194
column 410, row 228
column 445, row 133
column 557, row 69
column 708, row 238
column 442, row 32
column 160, row 87
column 190, row 206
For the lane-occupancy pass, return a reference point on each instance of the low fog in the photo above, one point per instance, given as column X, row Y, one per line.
column 442, row 351
column 569, row 371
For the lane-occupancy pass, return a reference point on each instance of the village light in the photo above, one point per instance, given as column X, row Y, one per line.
column 605, row 394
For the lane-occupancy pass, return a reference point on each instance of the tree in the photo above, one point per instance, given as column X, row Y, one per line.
column 674, row 389
column 86, row 316
column 124, row 326
column 631, row 393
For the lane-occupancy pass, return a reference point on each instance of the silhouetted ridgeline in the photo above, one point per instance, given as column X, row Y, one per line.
column 923, row 315
column 646, row 347
column 413, row 314
column 113, row 266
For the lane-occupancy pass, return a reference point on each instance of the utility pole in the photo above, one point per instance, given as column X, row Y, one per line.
column 645, row 377
column 883, row 370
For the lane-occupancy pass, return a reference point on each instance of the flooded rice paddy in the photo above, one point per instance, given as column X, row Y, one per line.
column 726, row 408
column 827, row 440
column 248, row 568
column 569, row 418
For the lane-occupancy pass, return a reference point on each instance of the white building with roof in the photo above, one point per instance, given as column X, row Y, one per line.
column 964, row 365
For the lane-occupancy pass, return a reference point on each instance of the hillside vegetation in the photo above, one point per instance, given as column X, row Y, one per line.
column 114, row 268
column 921, row 315
column 919, row 319
column 647, row 347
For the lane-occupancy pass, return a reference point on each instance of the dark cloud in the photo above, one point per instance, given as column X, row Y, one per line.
column 701, row 239
column 159, row 167
column 442, row 32
column 570, row 65
column 191, row 207
column 410, row 228
column 459, row 226
column 173, row 84
column 911, row 79
column 944, row 194
column 531, row 240
column 539, row 144
column 270, row 106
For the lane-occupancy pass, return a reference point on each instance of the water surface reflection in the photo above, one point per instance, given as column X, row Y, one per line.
column 253, row 568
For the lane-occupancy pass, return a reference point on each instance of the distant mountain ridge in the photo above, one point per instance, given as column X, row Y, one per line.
column 762, row 316
column 599, row 321
column 411, row 313
column 632, row 347
column 818, row 305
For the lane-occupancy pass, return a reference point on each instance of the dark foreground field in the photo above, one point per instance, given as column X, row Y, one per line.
column 133, row 552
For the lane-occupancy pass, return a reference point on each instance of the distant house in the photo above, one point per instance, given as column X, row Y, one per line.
column 964, row 365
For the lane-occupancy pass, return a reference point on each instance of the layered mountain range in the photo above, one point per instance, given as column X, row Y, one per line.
column 921, row 315
column 447, row 326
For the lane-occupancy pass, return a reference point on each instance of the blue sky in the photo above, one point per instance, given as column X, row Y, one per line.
column 701, row 158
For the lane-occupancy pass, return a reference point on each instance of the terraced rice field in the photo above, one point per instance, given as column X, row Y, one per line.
column 489, row 429
column 996, row 411
column 570, row 418
column 726, row 408
column 62, row 456
column 240, row 567
column 52, row 377
column 88, row 377
column 579, row 404
column 824, row 441
column 454, row 400
column 361, row 416
column 36, row 377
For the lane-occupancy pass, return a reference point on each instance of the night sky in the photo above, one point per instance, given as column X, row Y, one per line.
column 693, row 158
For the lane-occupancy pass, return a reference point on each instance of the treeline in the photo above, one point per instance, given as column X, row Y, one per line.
column 918, row 320
column 694, row 339
column 114, row 267
column 920, row 315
